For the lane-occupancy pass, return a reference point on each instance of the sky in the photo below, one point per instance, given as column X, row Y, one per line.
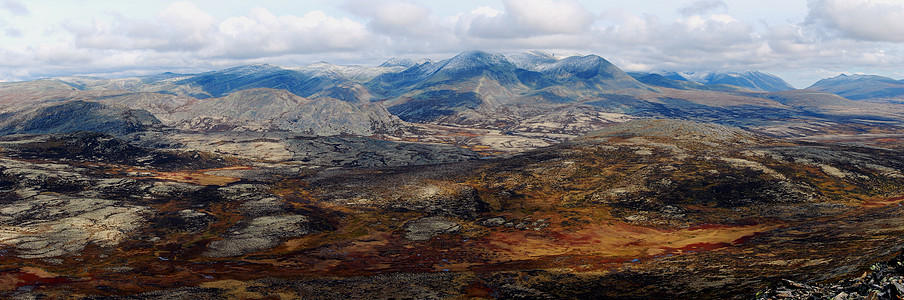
column 802, row 41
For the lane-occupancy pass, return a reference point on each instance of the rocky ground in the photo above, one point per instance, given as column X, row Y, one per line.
column 648, row 208
column 884, row 280
column 305, row 150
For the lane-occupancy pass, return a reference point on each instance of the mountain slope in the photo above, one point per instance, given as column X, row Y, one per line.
column 77, row 115
column 280, row 110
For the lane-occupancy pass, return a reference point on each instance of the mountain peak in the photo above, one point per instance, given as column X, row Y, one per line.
column 532, row 60
column 403, row 62
column 471, row 63
column 473, row 58
column 541, row 54
column 583, row 66
column 248, row 69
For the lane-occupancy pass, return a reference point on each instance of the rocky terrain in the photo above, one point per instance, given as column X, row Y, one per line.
column 645, row 208
column 883, row 280
column 305, row 150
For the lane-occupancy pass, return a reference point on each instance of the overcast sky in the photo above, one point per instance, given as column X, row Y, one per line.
column 799, row 40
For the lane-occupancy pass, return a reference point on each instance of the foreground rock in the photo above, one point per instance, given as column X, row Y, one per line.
column 259, row 234
column 426, row 228
column 451, row 199
column 885, row 280
column 307, row 150
column 44, row 226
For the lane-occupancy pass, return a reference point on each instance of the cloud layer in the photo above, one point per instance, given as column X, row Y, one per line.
column 832, row 36
column 874, row 20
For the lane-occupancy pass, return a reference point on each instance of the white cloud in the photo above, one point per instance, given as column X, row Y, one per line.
column 15, row 7
column 696, row 36
column 9, row 30
column 191, row 27
column 790, row 40
column 193, row 36
column 702, row 6
column 873, row 20
column 395, row 17
column 262, row 34
column 485, row 11
column 531, row 18
column 182, row 27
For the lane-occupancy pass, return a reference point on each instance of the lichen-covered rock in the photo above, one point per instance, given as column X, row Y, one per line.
column 45, row 226
column 256, row 199
column 259, row 234
column 425, row 228
column 452, row 199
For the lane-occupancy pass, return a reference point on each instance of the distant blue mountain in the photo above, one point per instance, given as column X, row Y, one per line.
column 676, row 81
column 147, row 79
column 862, row 87
column 750, row 80
column 220, row 83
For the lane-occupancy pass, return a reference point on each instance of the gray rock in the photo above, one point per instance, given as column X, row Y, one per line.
column 194, row 221
column 256, row 198
column 166, row 188
column 454, row 199
column 259, row 234
column 307, row 150
column 46, row 226
column 494, row 221
column 425, row 228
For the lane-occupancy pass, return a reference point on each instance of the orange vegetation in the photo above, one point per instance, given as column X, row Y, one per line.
column 883, row 202
column 618, row 240
column 200, row 177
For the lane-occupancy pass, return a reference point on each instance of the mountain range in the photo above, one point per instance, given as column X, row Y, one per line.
column 516, row 94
